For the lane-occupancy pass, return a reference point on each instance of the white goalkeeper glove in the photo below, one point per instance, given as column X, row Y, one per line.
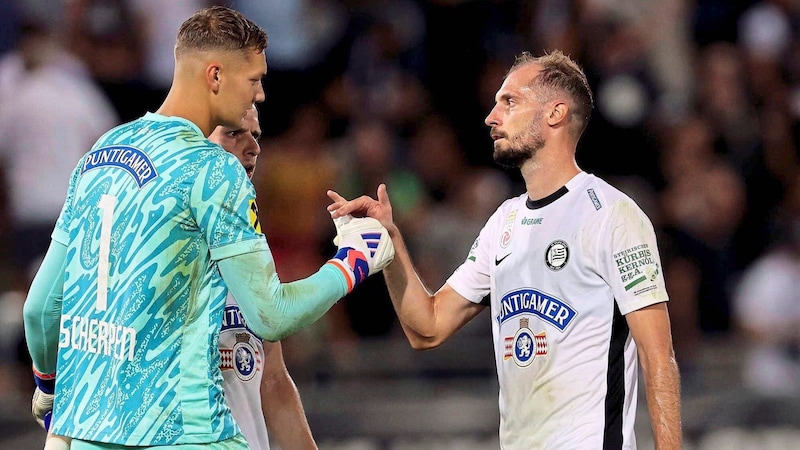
column 42, row 402
column 364, row 248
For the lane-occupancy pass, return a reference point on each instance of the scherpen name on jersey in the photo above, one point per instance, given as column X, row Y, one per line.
column 97, row 336
column 530, row 301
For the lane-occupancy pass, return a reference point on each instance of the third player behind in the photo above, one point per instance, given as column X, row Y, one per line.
column 258, row 388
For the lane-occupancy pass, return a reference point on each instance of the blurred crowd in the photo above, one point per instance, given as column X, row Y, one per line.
column 697, row 118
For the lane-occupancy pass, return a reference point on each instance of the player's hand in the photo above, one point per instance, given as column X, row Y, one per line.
column 43, row 395
column 364, row 206
column 364, row 248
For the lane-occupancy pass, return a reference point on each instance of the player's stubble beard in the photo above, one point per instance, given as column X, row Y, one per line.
column 519, row 148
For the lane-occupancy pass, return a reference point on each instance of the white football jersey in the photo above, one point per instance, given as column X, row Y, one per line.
column 242, row 359
column 562, row 273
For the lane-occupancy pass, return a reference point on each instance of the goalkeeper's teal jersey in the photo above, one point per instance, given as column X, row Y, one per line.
column 148, row 212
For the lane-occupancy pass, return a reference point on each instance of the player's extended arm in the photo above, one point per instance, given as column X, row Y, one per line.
column 280, row 401
column 650, row 328
column 427, row 319
column 275, row 310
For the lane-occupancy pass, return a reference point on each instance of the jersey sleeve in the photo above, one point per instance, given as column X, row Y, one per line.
column 630, row 261
column 223, row 201
column 61, row 231
column 472, row 279
column 274, row 310
column 42, row 310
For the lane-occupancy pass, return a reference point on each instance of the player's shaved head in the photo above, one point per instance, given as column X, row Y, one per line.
column 220, row 60
column 561, row 74
column 218, row 28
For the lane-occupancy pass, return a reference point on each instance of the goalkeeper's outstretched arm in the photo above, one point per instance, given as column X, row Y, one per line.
column 275, row 310
column 427, row 319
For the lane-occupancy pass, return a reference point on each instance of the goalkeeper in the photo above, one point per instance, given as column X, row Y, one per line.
column 123, row 307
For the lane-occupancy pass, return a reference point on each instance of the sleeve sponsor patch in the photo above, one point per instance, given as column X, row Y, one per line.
column 635, row 266
column 253, row 215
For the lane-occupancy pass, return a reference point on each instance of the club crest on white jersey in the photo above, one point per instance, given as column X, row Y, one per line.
column 557, row 255
column 242, row 358
column 525, row 346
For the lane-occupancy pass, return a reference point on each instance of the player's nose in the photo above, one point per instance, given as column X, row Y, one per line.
column 260, row 96
column 493, row 119
column 253, row 147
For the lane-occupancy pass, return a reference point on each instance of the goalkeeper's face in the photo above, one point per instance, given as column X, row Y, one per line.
column 241, row 142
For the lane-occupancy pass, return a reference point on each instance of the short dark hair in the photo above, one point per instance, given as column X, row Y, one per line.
column 219, row 28
column 559, row 71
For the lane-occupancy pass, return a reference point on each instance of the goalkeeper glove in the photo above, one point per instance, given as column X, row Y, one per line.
column 364, row 248
column 42, row 403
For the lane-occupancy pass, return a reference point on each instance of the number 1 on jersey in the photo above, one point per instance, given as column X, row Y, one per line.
column 106, row 205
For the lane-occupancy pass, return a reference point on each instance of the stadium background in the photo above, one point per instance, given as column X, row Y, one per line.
column 697, row 107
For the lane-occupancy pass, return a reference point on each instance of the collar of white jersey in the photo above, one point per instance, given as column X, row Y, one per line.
column 560, row 192
column 155, row 117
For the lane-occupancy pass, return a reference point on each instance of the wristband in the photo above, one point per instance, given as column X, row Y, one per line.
column 45, row 382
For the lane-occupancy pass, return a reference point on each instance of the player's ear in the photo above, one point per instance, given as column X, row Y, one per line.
column 212, row 77
column 558, row 113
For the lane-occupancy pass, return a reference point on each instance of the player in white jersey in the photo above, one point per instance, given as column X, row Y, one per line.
column 257, row 385
column 572, row 273
column 124, row 306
